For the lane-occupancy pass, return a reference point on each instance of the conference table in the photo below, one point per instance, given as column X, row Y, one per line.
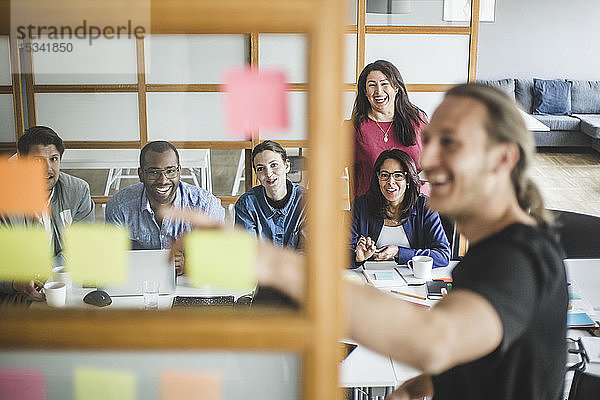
column 372, row 375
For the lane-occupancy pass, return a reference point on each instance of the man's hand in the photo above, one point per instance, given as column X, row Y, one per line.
column 365, row 248
column 179, row 262
column 415, row 388
column 30, row 289
column 386, row 253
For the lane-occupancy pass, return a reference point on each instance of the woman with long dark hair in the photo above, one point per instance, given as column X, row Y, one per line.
column 392, row 221
column 383, row 118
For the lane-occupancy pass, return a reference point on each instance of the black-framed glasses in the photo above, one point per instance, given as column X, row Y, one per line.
column 575, row 346
column 155, row 173
column 399, row 176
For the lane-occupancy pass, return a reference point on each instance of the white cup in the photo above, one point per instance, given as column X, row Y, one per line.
column 421, row 267
column 56, row 293
column 62, row 275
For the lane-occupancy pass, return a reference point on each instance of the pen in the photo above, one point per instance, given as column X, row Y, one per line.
column 405, row 281
column 409, row 295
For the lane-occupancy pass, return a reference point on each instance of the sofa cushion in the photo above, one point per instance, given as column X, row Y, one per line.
column 585, row 97
column 590, row 124
column 559, row 122
column 524, row 93
column 551, row 97
column 506, row 85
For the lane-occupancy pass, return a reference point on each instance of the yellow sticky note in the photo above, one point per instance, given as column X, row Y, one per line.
column 24, row 253
column 223, row 259
column 103, row 384
column 97, row 253
column 24, row 187
column 179, row 385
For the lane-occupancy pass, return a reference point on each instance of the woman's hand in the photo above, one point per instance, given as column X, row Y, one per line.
column 31, row 289
column 365, row 248
column 386, row 253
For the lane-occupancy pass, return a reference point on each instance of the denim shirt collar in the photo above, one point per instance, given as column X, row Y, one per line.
column 145, row 203
column 266, row 208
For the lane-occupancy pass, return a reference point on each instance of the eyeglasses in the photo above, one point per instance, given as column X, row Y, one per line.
column 155, row 173
column 399, row 176
column 575, row 346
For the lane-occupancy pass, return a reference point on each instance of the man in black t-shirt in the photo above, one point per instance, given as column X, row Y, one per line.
column 500, row 333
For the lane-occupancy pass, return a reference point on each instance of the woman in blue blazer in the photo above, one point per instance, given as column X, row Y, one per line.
column 392, row 221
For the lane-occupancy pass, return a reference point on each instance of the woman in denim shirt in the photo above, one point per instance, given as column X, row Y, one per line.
column 275, row 209
column 391, row 221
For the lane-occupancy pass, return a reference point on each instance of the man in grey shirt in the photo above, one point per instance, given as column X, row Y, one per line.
column 140, row 207
column 69, row 199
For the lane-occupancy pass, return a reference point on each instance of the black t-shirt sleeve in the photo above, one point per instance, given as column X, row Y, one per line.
column 505, row 276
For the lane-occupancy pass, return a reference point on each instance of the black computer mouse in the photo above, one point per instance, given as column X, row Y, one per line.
column 97, row 298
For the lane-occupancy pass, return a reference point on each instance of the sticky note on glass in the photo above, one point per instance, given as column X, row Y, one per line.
column 24, row 187
column 24, row 253
column 22, row 384
column 103, row 384
column 179, row 385
column 384, row 276
column 223, row 259
column 97, row 253
column 255, row 100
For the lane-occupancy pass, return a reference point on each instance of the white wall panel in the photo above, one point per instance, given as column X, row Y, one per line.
column 7, row 119
column 286, row 52
column 193, row 58
column 350, row 58
column 188, row 116
column 427, row 101
column 348, row 104
column 436, row 59
column 90, row 116
column 5, row 78
column 105, row 61
column 297, row 129
column 408, row 12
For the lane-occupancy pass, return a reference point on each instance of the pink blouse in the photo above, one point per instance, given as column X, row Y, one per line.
column 368, row 147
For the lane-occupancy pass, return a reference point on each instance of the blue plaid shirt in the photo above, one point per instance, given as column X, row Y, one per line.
column 130, row 207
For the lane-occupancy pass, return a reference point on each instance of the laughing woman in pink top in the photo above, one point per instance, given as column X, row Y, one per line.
column 383, row 119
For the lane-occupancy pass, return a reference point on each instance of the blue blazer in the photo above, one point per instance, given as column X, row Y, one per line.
column 423, row 229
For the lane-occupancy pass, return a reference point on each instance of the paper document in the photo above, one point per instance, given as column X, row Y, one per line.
column 384, row 279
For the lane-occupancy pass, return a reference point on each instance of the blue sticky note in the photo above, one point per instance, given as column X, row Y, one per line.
column 384, row 276
column 579, row 319
column 574, row 296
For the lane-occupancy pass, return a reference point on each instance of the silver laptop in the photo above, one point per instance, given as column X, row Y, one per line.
column 144, row 265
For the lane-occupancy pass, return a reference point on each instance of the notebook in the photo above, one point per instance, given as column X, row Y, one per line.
column 145, row 265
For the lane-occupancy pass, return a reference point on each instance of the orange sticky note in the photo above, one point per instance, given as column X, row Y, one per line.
column 255, row 100
column 179, row 385
column 24, row 189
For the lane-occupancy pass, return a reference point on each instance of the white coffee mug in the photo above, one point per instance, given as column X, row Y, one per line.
column 56, row 293
column 62, row 275
column 421, row 267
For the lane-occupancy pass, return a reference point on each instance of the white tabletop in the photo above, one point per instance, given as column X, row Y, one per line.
column 366, row 368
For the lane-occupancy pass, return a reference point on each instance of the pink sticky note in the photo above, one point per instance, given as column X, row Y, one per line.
column 179, row 385
column 22, row 384
column 255, row 100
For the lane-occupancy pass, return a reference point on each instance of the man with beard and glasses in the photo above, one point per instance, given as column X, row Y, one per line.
column 69, row 199
column 139, row 206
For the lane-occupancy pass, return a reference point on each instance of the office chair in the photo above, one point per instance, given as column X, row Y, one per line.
column 584, row 386
column 453, row 237
column 579, row 234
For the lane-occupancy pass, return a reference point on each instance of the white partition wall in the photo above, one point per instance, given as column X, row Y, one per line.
column 429, row 59
column 7, row 118
column 4, row 61
column 286, row 52
column 90, row 116
column 181, row 59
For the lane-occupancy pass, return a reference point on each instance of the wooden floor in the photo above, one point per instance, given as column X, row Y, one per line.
column 569, row 179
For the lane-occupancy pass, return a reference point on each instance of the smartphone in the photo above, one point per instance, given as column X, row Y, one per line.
column 434, row 289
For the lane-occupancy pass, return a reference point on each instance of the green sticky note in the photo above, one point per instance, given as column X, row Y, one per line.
column 97, row 253
column 103, row 384
column 223, row 259
column 24, row 253
column 384, row 276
